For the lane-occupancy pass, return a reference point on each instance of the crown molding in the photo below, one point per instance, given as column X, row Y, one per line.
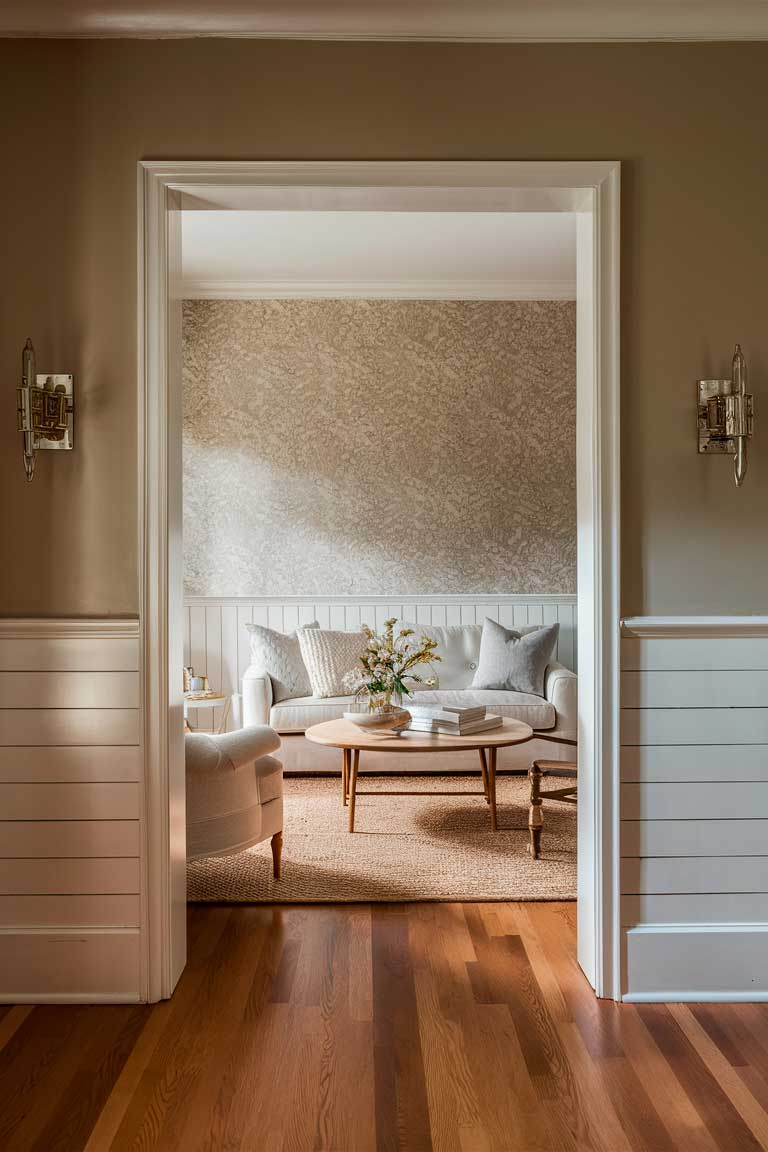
column 376, row 290
column 511, row 21
column 693, row 627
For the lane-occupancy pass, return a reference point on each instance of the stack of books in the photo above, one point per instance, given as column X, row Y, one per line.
column 450, row 720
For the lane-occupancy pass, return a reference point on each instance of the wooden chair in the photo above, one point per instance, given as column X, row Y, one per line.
column 538, row 770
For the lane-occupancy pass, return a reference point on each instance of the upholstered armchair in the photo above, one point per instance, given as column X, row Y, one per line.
column 234, row 793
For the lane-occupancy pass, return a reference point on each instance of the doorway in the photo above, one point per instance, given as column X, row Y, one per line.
column 588, row 190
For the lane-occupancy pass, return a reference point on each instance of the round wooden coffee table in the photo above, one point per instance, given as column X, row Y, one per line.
column 353, row 740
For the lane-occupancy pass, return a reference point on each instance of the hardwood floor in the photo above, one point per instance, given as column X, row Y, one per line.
column 384, row 1028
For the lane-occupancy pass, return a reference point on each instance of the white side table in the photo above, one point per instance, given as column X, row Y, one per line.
column 195, row 700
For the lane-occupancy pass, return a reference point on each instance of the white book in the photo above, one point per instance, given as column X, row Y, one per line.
column 485, row 724
column 447, row 713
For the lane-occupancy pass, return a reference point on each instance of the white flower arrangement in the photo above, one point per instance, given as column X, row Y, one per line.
column 388, row 663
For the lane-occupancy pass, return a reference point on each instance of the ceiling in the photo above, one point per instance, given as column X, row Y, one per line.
column 505, row 20
column 417, row 255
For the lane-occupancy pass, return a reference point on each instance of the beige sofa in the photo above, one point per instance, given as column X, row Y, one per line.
column 459, row 646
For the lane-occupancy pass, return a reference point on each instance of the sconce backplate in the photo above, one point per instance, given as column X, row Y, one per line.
column 709, row 442
column 63, row 384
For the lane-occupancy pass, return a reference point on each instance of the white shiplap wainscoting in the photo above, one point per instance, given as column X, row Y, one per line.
column 216, row 642
column 694, row 807
column 70, row 811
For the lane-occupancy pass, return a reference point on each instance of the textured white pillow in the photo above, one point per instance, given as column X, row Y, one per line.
column 278, row 655
column 328, row 657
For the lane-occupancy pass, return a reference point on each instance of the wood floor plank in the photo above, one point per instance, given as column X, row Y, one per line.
column 721, row 1118
column 384, row 1028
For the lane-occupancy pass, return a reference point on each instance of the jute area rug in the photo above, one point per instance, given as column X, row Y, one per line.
column 403, row 848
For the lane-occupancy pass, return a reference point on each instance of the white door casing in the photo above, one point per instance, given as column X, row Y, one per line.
column 589, row 188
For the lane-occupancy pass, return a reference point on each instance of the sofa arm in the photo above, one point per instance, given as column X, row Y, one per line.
column 257, row 697
column 560, row 689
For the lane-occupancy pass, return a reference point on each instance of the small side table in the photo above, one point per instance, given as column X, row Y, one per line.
column 218, row 700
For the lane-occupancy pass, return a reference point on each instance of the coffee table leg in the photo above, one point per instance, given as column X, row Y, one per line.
column 352, row 788
column 344, row 775
column 492, row 785
column 484, row 770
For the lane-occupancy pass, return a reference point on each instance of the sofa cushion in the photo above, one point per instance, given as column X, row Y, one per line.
column 514, row 661
column 278, row 655
column 458, row 646
column 298, row 715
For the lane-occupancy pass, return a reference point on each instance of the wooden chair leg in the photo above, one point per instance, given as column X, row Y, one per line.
column 277, row 854
column 536, row 811
column 353, row 788
column 484, row 771
column 492, row 786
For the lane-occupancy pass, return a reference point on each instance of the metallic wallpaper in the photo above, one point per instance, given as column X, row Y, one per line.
column 348, row 447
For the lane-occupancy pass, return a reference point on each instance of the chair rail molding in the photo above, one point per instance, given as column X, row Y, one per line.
column 693, row 627
column 514, row 21
column 588, row 188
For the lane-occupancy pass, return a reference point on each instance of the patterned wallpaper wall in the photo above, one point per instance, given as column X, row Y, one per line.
column 336, row 447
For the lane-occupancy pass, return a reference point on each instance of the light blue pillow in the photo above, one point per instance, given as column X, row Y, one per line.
column 512, row 661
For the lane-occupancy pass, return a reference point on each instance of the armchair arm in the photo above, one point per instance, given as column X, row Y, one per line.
column 257, row 697
column 560, row 686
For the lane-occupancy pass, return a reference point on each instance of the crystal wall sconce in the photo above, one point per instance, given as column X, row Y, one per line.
column 725, row 416
column 46, row 410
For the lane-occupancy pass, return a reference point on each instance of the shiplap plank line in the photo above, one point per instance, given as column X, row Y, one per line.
column 713, row 800
column 67, row 876
column 695, row 908
column 700, row 874
column 687, row 837
column 69, row 689
column 695, row 689
column 44, row 801
column 82, row 838
column 64, row 726
column 81, row 910
column 695, row 653
column 69, row 654
column 644, row 726
column 73, row 763
column 694, row 762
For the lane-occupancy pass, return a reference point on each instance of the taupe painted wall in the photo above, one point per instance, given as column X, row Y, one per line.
column 687, row 121
column 358, row 447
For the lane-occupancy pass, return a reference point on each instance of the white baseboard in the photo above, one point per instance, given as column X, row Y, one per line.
column 696, row 962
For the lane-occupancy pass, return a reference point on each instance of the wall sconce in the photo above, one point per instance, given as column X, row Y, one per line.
column 46, row 410
column 725, row 416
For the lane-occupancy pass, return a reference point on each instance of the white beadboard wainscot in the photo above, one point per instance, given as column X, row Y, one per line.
column 216, row 642
column 70, row 811
column 694, row 808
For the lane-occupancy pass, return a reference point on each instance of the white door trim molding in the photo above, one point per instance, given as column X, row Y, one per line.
column 590, row 188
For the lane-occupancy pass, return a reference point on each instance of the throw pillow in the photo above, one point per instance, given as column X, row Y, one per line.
column 279, row 656
column 329, row 656
column 512, row 661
